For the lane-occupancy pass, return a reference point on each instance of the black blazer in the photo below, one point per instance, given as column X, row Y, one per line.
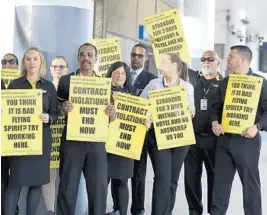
column 142, row 80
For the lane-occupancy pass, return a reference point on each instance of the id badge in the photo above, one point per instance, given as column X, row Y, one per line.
column 203, row 104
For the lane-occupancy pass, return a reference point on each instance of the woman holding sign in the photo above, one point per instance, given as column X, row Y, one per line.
column 120, row 169
column 9, row 61
column 32, row 171
column 167, row 163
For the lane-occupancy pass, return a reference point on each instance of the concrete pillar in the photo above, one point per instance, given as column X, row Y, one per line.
column 199, row 26
column 66, row 25
column 7, row 18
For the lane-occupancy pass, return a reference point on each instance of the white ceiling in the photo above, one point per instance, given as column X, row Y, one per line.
column 256, row 14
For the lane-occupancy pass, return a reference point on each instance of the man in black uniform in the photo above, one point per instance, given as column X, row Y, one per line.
column 77, row 156
column 140, row 79
column 238, row 152
column 204, row 150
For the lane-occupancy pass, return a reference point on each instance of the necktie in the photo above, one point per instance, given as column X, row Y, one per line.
column 133, row 76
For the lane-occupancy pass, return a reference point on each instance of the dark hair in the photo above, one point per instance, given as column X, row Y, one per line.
column 182, row 66
column 128, row 82
column 141, row 46
column 88, row 44
column 63, row 58
column 244, row 51
column 17, row 61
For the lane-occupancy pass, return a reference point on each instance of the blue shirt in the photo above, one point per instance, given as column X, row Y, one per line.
column 158, row 84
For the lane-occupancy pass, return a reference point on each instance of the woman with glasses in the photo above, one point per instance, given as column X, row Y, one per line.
column 32, row 171
column 10, row 61
column 120, row 169
column 58, row 68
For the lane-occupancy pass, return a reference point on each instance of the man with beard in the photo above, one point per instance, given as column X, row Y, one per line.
column 78, row 156
column 204, row 149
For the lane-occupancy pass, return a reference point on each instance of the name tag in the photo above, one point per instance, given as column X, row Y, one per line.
column 203, row 104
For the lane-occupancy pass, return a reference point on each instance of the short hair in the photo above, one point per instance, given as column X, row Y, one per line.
column 17, row 61
column 128, row 81
column 244, row 51
column 141, row 46
column 42, row 70
column 63, row 58
column 88, row 44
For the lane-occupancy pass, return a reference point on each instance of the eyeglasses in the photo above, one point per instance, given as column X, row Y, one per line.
column 11, row 62
column 139, row 56
column 60, row 67
column 209, row 59
column 89, row 54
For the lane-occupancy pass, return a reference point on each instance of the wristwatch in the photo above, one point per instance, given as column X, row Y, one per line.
column 259, row 127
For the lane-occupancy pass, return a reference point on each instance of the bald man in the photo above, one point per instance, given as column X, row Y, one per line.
column 204, row 150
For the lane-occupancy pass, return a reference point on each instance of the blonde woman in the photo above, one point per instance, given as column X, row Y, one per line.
column 167, row 163
column 32, row 171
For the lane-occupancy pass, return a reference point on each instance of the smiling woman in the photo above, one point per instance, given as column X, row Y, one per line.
column 37, row 166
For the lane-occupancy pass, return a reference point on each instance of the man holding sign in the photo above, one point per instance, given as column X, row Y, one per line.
column 77, row 156
column 238, row 151
column 140, row 78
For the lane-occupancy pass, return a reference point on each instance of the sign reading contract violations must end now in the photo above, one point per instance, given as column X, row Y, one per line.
column 90, row 97
column 126, row 133
column 109, row 52
column 57, row 130
column 22, row 127
column 241, row 103
column 9, row 74
column 171, row 117
column 167, row 32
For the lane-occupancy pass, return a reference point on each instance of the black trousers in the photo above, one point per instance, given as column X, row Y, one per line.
column 138, row 182
column 242, row 154
column 4, row 182
column 120, row 195
column 91, row 158
column 11, row 198
column 167, row 166
column 202, row 152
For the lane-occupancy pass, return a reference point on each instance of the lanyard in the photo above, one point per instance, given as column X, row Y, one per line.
column 207, row 91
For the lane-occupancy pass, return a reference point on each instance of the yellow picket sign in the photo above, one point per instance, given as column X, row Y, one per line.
column 90, row 97
column 8, row 75
column 167, row 34
column 22, row 128
column 126, row 133
column 171, row 117
column 241, row 103
column 109, row 52
column 57, row 130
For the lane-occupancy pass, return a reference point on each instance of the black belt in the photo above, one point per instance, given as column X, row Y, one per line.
column 205, row 134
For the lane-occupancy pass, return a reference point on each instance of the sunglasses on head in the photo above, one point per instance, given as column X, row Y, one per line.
column 11, row 62
column 209, row 59
column 139, row 56
column 58, row 66
column 89, row 54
